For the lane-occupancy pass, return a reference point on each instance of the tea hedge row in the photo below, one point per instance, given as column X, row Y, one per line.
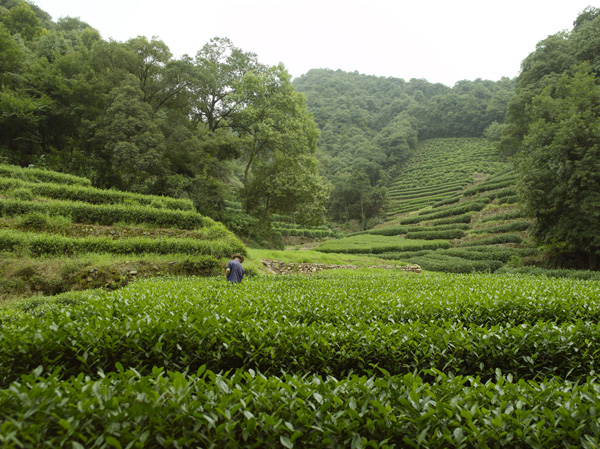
column 247, row 409
column 367, row 243
column 93, row 195
column 430, row 189
column 448, row 234
column 512, row 199
column 398, row 230
column 434, row 261
column 517, row 213
column 285, row 225
column 470, row 326
column 494, row 240
column 462, row 208
column 508, row 227
column 461, row 260
column 450, row 200
column 108, row 214
column 311, row 233
column 40, row 175
column 43, row 244
column 487, row 186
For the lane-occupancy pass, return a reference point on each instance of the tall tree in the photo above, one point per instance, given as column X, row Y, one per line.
column 132, row 138
column 560, row 163
column 278, row 136
column 552, row 128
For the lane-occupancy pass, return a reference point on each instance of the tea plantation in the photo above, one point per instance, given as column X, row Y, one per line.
column 441, row 168
column 355, row 360
column 455, row 208
column 57, row 233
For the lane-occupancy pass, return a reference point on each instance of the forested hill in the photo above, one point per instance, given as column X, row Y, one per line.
column 371, row 125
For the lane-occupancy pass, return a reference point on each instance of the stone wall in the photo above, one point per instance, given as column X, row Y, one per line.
column 277, row 267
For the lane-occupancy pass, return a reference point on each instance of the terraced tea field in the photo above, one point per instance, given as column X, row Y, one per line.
column 482, row 228
column 440, row 169
column 386, row 360
column 58, row 233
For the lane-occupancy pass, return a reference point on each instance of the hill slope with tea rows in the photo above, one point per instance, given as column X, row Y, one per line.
column 455, row 208
column 440, row 168
column 57, row 233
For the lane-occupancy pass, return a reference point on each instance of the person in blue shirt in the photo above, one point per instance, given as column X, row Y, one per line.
column 235, row 270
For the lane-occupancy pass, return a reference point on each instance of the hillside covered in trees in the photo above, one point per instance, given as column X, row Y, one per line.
column 553, row 130
column 370, row 127
column 249, row 145
column 218, row 126
column 213, row 127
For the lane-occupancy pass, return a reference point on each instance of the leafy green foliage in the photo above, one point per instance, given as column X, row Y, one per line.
column 312, row 361
column 552, row 127
column 367, row 243
column 91, row 195
column 247, row 409
column 41, row 244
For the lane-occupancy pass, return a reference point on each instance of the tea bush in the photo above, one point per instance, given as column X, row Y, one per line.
column 394, row 360
column 90, row 195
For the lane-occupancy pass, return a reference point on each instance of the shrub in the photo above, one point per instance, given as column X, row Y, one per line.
column 508, row 227
column 92, row 195
column 40, row 175
column 448, row 264
column 21, row 194
column 108, row 214
column 495, row 240
column 374, row 244
column 433, row 235
column 41, row 244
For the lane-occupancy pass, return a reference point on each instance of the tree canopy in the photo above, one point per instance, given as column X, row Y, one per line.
column 215, row 127
column 553, row 129
column 371, row 125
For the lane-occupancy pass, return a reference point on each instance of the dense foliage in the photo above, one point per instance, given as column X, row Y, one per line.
column 370, row 127
column 553, row 127
column 128, row 115
column 396, row 360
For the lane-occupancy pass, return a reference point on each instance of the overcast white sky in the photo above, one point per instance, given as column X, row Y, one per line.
column 440, row 40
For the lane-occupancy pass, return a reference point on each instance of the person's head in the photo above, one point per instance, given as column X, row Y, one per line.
column 237, row 256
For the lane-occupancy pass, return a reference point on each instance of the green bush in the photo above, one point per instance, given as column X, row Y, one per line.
column 553, row 273
column 487, row 186
column 374, row 244
column 396, row 360
column 465, row 218
column 41, row 244
column 510, row 199
column 91, row 195
column 495, row 240
column 248, row 409
column 433, row 235
column 108, row 214
column 468, row 326
column 462, row 208
column 506, row 216
column 449, row 264
column 508, row 227
column 40, row 175
column 21, row 194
